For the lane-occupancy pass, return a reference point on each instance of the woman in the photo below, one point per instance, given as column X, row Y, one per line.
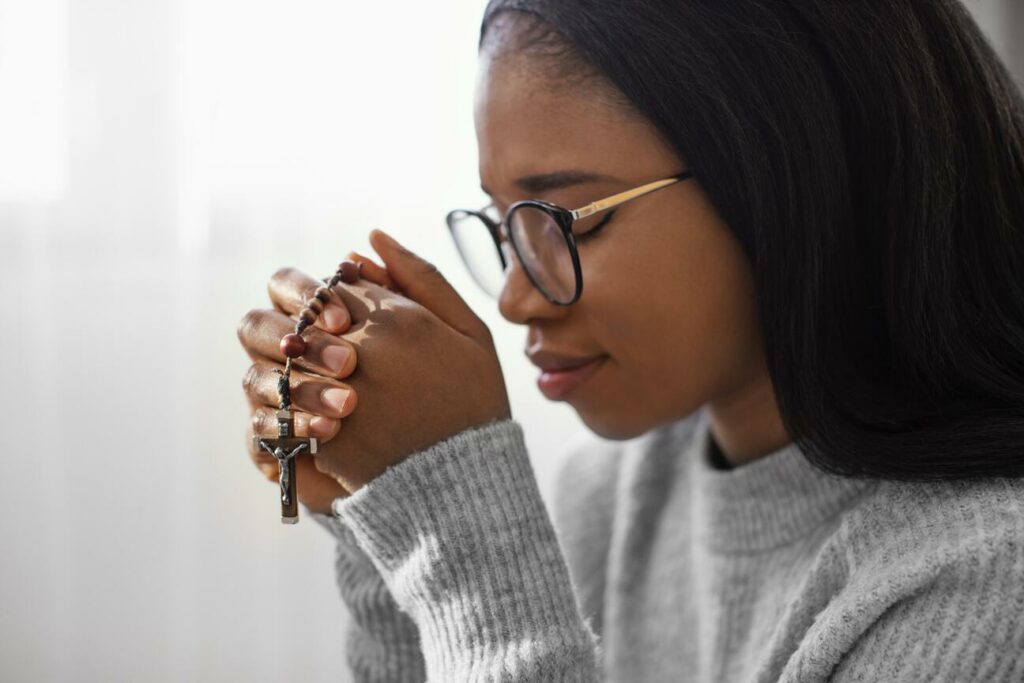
column 807, row 386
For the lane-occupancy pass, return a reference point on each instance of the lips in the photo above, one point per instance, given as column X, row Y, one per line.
column 548, row 360
column 558, row 384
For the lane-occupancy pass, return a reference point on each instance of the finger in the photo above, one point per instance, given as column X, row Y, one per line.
column 264, row 423
column 261, row 330
column 265, row 462
column 313, row 394
column 307, row 475
column 373, row 272
column 291, row 290
column 422, row 282
column 305, row 468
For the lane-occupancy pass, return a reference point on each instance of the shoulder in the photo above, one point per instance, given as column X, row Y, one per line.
column 932, row 585
column 937, row 524
column 962, row 537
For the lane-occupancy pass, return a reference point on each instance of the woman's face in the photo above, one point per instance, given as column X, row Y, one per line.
column 667, row 293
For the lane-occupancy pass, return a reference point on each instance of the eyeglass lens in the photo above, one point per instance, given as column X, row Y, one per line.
column 545, row 254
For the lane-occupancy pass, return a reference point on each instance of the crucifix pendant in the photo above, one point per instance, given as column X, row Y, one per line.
column 284, row 448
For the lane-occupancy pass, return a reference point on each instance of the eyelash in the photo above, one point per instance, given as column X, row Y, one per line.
column 590, row 234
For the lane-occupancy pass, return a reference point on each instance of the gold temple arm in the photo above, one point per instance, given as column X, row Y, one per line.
column 616, row 199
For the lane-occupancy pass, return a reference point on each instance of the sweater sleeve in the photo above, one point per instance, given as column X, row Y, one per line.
column 942, row 635
column 463, row 541
column 381, row 641
column 945, row 633
column 936, row 589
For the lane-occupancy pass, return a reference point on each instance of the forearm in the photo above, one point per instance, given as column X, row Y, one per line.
column 463, row 541
column 382, row 642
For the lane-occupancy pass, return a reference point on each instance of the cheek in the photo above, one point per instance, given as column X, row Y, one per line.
column 676, row 315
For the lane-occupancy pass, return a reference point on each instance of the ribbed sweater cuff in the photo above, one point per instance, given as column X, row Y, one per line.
column 461, row 537
column 382, row 642
column 333, row 524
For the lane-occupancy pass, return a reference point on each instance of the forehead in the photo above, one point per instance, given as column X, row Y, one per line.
column 527, row 124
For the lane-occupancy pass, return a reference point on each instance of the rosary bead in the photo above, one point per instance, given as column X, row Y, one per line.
column 293, row 345
column 308, row 314
column 350, row 271
column 316, row 305
column 322, row 293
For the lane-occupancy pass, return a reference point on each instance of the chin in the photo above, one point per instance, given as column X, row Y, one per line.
column 609, row 421
column 615, row 430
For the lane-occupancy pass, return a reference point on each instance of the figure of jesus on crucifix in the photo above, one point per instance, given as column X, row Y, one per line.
column 284, row 449
column 283, row 456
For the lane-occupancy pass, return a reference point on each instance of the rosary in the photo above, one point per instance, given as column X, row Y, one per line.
column 286, row 446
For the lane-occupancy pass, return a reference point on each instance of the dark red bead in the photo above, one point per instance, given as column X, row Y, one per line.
column 350, row 271
column 293, row 345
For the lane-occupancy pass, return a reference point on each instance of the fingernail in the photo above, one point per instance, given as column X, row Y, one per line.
column 335, row 398
column 334, row 315
column 335, row 356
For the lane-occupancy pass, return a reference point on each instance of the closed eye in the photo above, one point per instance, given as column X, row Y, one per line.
column 590, row 234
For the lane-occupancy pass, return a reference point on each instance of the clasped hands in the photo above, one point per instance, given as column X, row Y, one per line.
column 396, row 363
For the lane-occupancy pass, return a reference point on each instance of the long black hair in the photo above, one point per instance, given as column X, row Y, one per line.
column 869, row 158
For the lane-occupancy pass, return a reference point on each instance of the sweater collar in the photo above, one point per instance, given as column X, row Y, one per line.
column 763, row 504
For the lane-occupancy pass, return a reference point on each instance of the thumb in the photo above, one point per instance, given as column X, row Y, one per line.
column 422, row 282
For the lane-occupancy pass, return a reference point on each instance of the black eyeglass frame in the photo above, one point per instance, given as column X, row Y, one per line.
column 564, row 219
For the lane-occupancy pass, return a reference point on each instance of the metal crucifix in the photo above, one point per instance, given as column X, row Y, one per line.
column 284, row 448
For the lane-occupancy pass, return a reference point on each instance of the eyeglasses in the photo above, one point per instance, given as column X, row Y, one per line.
column 541, row 236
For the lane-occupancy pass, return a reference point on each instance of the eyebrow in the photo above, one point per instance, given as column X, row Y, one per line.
column 556, row 180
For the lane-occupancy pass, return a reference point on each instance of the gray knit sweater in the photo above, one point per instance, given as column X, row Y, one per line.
column 655, row 566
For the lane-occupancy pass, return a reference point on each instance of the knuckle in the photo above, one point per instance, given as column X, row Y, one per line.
column 282, row 274
column 257, row 421
column 429, row 269
column 248, row 323
column 251, row 379
column 420, row 322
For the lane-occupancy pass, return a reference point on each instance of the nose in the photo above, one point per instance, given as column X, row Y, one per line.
column 519, row 301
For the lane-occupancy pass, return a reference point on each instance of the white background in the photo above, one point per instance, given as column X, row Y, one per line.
column 159, row 160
